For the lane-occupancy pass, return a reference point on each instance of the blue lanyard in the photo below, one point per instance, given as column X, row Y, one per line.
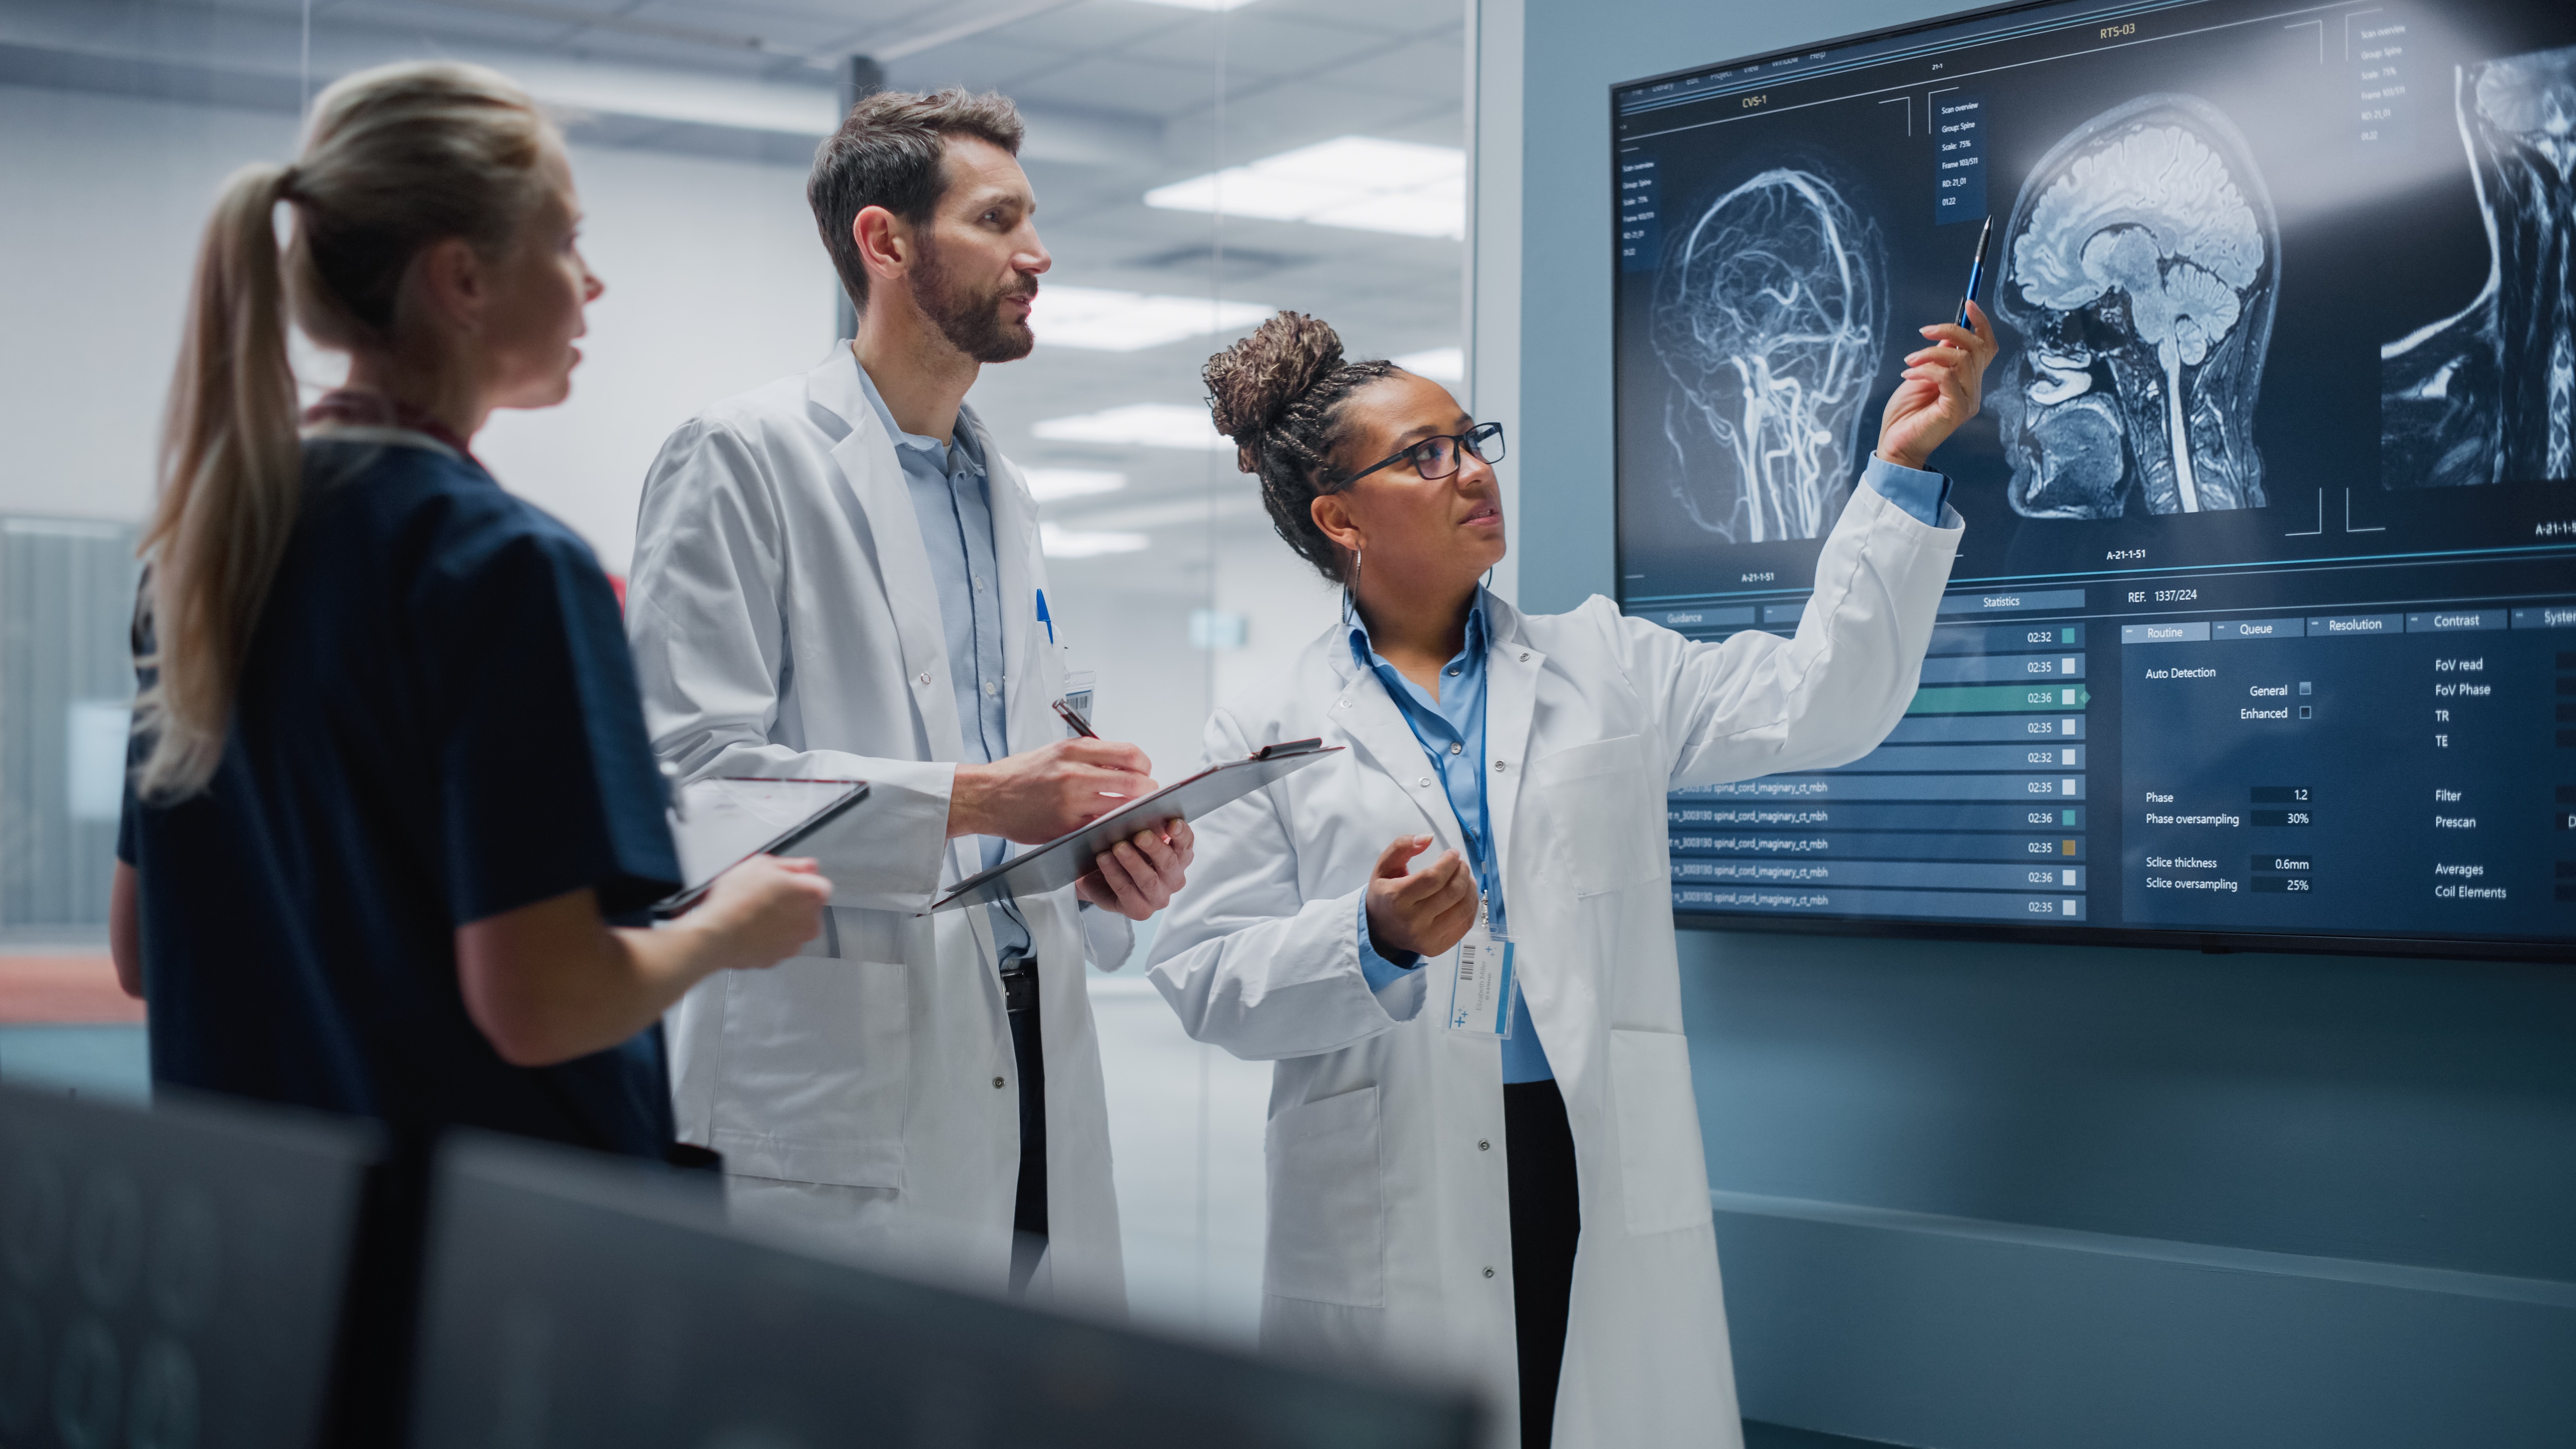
column 1488, row 867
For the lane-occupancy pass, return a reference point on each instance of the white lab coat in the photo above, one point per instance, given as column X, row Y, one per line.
column 784, row 622
column 1390, row 1223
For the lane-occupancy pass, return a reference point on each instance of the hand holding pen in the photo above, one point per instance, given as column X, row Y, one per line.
column 1065, row 711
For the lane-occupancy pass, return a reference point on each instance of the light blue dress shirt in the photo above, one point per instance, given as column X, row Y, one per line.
column 1921, row 494
column 1451, row 729
column 952, row 498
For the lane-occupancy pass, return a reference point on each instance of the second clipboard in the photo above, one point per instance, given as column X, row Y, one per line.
column 1062, row 861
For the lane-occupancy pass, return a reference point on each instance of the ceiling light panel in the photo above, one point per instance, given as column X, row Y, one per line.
column 1067, row 543
column 1046, row 485
column 1096, row 320
column 1356, row 181
column 1139, row 425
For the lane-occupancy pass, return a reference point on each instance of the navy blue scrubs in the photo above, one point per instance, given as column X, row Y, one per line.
column 437, row 722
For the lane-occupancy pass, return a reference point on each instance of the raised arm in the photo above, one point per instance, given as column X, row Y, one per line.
column 1756, row 704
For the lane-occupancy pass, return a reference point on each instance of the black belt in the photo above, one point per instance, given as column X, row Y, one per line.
column 1020, row 985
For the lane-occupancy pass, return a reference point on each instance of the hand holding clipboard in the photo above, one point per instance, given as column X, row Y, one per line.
column 1067, row 858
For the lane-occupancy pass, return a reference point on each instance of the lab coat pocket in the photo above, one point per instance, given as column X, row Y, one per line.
column 817, row 1067
column 1327, row 1208
column 1663, row 1174
column 1592, row 808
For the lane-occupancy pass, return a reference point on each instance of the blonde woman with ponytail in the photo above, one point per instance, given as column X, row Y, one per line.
column 392, row 808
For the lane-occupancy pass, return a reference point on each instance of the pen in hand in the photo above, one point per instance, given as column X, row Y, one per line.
column 1976, row 269
column 1080, row 725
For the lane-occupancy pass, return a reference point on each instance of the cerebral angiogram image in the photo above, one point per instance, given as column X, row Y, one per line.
column 1770, row 316
column 2485, row 396
column 2139, row 275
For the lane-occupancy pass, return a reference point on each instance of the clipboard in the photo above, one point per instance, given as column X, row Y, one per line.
column 1062, row 861
column 720, row 822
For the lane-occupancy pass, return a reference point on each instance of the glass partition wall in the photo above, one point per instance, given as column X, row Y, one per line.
column 1198, row 165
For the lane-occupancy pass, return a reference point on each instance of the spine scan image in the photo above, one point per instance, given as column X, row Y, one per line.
column 1771, row 319
column 2138, row 277
column 2486, row 396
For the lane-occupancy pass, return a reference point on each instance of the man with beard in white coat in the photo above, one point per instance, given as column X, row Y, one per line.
column 838, row 576
column 1514, row 1192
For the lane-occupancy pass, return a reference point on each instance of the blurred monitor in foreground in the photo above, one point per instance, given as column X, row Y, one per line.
column 574, row 1301
column 171, row 1277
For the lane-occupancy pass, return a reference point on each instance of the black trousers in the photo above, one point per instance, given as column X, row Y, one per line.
column 1547, row 1221
column 1029, row 1207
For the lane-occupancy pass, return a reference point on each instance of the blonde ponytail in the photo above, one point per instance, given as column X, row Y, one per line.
column 398, row 158
column 230, row 479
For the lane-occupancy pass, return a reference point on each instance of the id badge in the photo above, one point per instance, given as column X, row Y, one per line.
column 1481, row 983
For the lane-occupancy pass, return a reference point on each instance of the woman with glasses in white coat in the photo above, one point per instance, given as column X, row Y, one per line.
column 1455, row 938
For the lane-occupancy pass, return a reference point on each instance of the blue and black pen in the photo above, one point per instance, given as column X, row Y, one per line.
column 1976, row 270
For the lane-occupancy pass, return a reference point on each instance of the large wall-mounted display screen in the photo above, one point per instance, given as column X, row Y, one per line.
column 2264, row 626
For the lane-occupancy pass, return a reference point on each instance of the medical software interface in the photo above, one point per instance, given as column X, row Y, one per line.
column 2265, row 619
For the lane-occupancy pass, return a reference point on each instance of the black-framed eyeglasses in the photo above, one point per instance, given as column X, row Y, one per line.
column 1437, row 458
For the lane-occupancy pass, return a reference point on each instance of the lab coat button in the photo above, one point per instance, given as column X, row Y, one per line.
column 1422, row 784
column 925, row 676
column 1498, row 767
column 1525, row 656
column 1489, row 1272
column 1484, row 1144
column 997, row 1081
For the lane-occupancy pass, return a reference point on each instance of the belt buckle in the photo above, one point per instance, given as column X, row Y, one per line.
column 1019, row 984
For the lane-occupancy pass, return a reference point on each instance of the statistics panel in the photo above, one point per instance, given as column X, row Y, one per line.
column 2264, row 625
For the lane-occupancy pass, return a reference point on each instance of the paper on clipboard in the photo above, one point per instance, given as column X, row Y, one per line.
column 1062, row 861
column 718, row 823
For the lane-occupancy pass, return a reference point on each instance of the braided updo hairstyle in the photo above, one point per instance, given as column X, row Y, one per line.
column 1277, row 394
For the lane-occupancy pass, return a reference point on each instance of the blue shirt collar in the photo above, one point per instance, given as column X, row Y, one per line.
column 1366, row 657
column 967, row 452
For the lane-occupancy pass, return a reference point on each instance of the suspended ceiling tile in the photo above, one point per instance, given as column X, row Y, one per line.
column 1100, row 25
column 985, row 62
column 1264, row 45
column 1412, row 17
column 1423, row 73
column 1142, row 87
column 1266, row 120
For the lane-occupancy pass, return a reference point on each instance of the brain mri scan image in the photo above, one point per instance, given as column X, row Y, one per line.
column 2138, row 277
column 2486, row 396
column 1771, row 319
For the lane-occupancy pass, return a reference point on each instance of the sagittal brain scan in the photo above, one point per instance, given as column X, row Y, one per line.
column 1771, row 320
column 2138, row 274
column 2228, row 650
column 2486, row 396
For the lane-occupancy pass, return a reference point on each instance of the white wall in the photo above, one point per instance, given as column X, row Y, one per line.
column 715, row 284
column 101, row 200
column 1285, row 601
